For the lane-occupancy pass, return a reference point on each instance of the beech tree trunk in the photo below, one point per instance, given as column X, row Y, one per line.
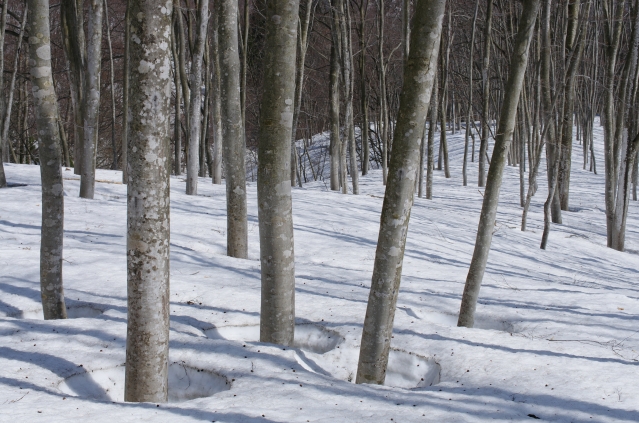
column 45, row 107
column 485, row 122
column 335, row 142
column 277, row 317
column 232, row 130
column 126, row 116
column 518, row 63
column 148, row 230
column 419, row 77
column 217, row 106
column 195, row 105
column 91, row 107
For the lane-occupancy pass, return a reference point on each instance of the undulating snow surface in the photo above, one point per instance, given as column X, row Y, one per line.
column 556, row 337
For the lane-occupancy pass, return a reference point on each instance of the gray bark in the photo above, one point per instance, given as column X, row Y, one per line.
column 335, row 140
column 277, row 317
column 148, row 230
column 232, row 130
column 518, row 63
column 195, row 105
column 469, row 113
column 4, row 150
column 217, row 107
column 485, row 130
column 126, row 116
column 91, row 107
column 363, row 91
column 114, row 147
column 177, row 131
column 430, row 149
column 419, row 77
column 46, row 114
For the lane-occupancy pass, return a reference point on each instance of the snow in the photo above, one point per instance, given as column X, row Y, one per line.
column 556, row 334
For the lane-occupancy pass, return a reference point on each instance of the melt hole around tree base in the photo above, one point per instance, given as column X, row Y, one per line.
column 185, row 383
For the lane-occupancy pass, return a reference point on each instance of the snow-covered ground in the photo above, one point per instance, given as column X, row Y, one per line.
column 556, row 338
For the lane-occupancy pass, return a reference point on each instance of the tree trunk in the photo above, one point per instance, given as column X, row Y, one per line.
column 148, row 231
column 432, row 128
column 419, row 77
column 335, row 141
column 469, row 114
column 217, row 106
column 4, row 153
column 91, row 107
column 114, row 147
column 177, row 121
column 195, row 105
column 364, row 129
column 125, row 96
column 46, row 114
column 518, row 63
column 485, row 130
column 277, row 317
column 232, row 130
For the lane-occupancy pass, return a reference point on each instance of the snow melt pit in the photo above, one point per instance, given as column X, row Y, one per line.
column 185, row 383
column 308, row 336
column 409, row 370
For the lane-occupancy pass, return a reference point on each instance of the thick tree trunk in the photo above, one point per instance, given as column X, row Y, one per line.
column 46, row 114
column 277, row 317
column 419, row 77
column 91, row 107
column 195, row 105
column 518, row 63
column 148, row 231
column 232, row 130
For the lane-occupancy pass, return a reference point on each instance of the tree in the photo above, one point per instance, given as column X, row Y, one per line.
column 277, row 317
column 503, row 138
column 232, row 130
column 148, row 228
column 46, row 113
column 195, row 105
column 419, row 78
column 91, row 106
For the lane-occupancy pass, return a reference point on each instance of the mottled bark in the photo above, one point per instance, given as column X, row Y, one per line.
column 195, row 105
column 518, row 63
column 217, row 107
column 148, row 230
column 45, row 107
column 277, row 317
column 91, row 106
column 419, row 77
column 232, row 130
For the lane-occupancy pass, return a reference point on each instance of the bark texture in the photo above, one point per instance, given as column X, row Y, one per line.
column 46, row 114
column 234, row 149
column 277, row 317
column 419, row 77
column 503, row 138
column 148, row 230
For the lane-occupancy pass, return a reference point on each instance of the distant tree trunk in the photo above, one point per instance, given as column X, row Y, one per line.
column 6, row 121
column 518, row 63
column 114, row 147
column 48, row 134
column 364, row 129
column 177, row 131
column 72, row 23
column 195, row 105
column 277, row 317
column 91, row 107
column 4, row 153
column 485, row 129
column 432, row 128
column 125, row 95
column 148, row 231
column 419, row 77
column 335, row 142
column 232, row 130
column 383, row 113
column 302, row 47
column 217, row 106
column 469, row 114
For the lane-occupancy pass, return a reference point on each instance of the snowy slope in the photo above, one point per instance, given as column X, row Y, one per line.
column 556, row 335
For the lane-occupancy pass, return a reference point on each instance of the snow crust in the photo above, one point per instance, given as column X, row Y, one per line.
column 557, row 334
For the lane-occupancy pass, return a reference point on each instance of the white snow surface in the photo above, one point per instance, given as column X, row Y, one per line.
column 556, row 334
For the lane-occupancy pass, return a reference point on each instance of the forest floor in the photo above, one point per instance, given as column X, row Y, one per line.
column 557, row 333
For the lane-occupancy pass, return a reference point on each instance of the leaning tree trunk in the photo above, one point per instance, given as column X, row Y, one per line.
column 195, row 105
column 232, row 130
column 419, row 77
column 518, row 63
column 148, row 231
column 91, row 105
column 277, row 317
column 45, row 107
